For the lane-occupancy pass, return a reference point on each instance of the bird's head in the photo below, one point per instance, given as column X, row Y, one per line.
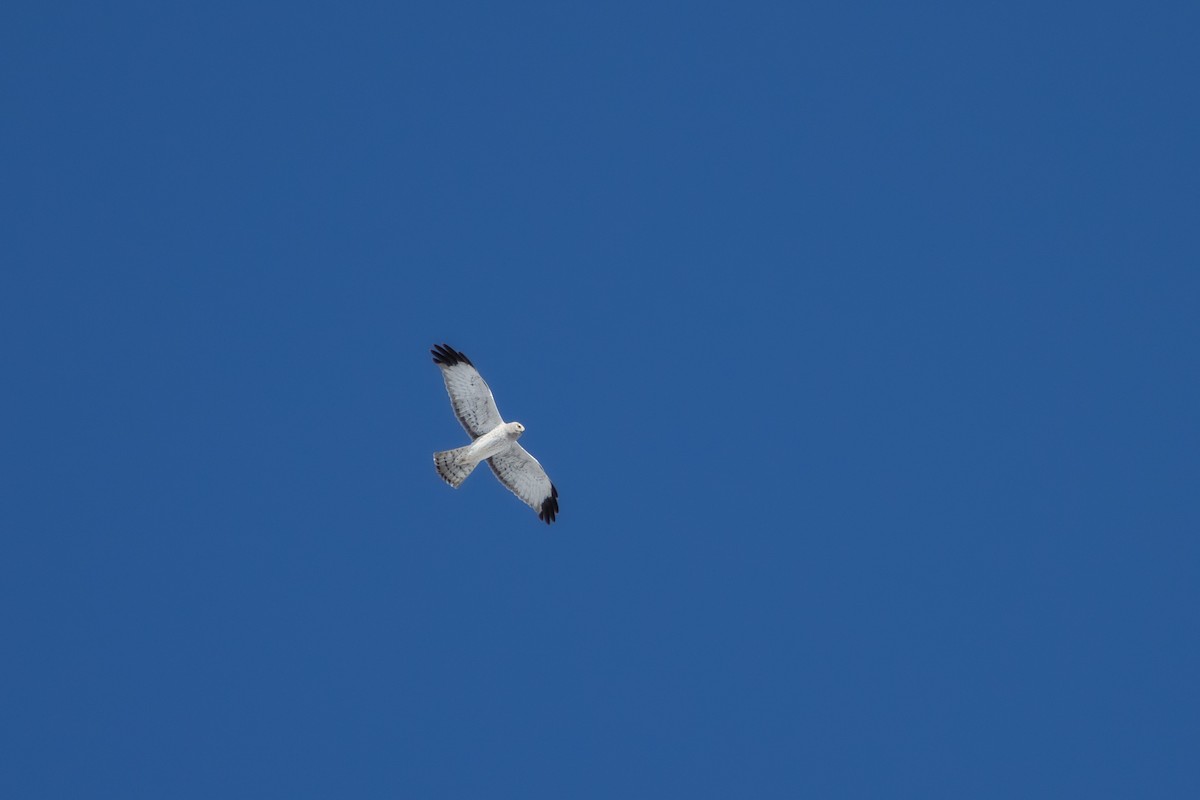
column 518, row 428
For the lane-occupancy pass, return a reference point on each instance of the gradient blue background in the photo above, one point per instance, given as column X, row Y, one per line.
column 861, row 340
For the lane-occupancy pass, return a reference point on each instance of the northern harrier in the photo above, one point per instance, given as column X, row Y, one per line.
column 494, row 439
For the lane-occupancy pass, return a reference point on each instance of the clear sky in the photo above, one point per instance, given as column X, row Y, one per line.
column 860, row 340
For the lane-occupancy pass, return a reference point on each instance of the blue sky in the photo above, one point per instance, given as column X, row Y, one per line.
column 860, row 339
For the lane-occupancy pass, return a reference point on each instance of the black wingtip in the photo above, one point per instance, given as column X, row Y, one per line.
column 447, row 356
column 549, row 506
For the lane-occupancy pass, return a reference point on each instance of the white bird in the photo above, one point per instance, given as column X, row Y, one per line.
column 494, row 439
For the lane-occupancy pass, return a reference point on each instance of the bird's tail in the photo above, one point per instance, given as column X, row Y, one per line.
column 451, row 465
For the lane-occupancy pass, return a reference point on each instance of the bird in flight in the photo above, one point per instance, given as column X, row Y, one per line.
column 494, row 440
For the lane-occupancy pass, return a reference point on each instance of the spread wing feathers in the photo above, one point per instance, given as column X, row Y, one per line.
column 469, row 393
column 525, row 478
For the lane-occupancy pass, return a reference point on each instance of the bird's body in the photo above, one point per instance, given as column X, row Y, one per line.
column 455, row 465
column 494, row 440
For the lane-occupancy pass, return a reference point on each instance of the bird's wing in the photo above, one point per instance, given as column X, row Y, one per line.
column 525, row 478
column 469, row 393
